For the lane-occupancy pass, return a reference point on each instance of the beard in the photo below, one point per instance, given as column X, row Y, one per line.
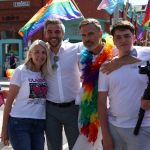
column 90, row 45
column 55, row 42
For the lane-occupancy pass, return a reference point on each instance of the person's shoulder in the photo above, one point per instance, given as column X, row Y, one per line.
column 21, row 67
column 20, row 70
column 143, row 52
column 142, row 48
column 69, row 45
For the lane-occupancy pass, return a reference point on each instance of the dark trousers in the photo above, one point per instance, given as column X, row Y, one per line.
column 57, row 118
column 26, row 134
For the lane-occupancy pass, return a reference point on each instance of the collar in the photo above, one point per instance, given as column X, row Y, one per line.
column 62, row 47
column 133, row 52
column 94, row 56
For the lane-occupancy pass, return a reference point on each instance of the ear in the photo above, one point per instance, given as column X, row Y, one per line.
column 63, row 34
column 30, row 54
column 114, row 40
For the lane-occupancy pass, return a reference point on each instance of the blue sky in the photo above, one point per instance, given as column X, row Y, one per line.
column 138, row 2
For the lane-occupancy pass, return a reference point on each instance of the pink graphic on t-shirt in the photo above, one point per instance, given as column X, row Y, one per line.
column 44, row 90
column 36, row 89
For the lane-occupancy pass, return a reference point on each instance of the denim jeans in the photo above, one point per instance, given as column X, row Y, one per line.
column 26, row 134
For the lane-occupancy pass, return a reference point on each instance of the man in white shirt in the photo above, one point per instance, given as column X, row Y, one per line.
column 91, row 59
column 124, row 87
column 63, row 86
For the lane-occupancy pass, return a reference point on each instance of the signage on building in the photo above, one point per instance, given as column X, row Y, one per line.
column 21, row 4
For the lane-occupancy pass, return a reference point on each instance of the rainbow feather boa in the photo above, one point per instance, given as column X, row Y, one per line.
column 88, row 109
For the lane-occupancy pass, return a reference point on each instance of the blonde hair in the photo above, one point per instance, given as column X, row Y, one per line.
column 46, row 67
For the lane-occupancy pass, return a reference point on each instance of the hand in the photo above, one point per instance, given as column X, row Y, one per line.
column 4, row 92
column 116, row 63
column 4, row 137
column 108, row 143
column 145, row 104
column 110, row 66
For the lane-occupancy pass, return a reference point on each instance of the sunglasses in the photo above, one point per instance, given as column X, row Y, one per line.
column 55, row 66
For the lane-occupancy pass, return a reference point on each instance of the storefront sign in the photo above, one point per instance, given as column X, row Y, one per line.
column 21, row 4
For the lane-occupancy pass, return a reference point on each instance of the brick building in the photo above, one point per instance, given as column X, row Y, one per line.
column 15, row 13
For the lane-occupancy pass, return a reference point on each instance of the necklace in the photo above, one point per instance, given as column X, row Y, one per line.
column 88, row 109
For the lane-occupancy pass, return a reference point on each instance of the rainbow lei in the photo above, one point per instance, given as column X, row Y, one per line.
column 88, row 109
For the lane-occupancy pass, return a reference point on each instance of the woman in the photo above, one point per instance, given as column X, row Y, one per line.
column 23, row 124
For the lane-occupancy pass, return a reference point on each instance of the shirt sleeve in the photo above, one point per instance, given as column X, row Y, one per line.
column 16, row 77
column 80, row 46
column 103, row 82
column 143, row 53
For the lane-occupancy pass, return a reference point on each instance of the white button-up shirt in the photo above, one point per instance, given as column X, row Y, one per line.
column 64, row 83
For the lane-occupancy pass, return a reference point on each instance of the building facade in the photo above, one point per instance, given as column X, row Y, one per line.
column 13, row 15
column 16, row 13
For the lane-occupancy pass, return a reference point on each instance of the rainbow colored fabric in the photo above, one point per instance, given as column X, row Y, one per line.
column 61, row 9
column 109, row 5
column 89, row 108
column 145, row 22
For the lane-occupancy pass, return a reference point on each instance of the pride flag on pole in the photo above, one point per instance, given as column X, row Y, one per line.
column 61, row 9
column 109, row 5
column 129, row 11
column 145, row 22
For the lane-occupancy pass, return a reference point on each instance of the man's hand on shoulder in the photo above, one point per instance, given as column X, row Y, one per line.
column 109, row 66
column 116, row 63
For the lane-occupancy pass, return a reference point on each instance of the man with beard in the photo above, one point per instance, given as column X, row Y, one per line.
column 63, row 86
column 91, row 59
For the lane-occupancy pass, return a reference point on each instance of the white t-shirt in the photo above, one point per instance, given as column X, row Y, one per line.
column 142, row 52
column 30, row 101
column 125, row 88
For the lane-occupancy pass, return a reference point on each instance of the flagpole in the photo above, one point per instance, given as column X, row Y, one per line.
column 146, row 40
column 126, row 10
column 77, row 7
column 116, row 15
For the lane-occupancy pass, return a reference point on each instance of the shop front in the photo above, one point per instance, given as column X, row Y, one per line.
column 8, row 48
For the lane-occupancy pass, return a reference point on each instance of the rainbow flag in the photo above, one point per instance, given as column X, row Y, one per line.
column 61, row 9
column 109, row 5
column 145, row 22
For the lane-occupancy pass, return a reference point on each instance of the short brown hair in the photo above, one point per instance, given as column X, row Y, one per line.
column 54, row 21
column 90, row 21
column 123, row 25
